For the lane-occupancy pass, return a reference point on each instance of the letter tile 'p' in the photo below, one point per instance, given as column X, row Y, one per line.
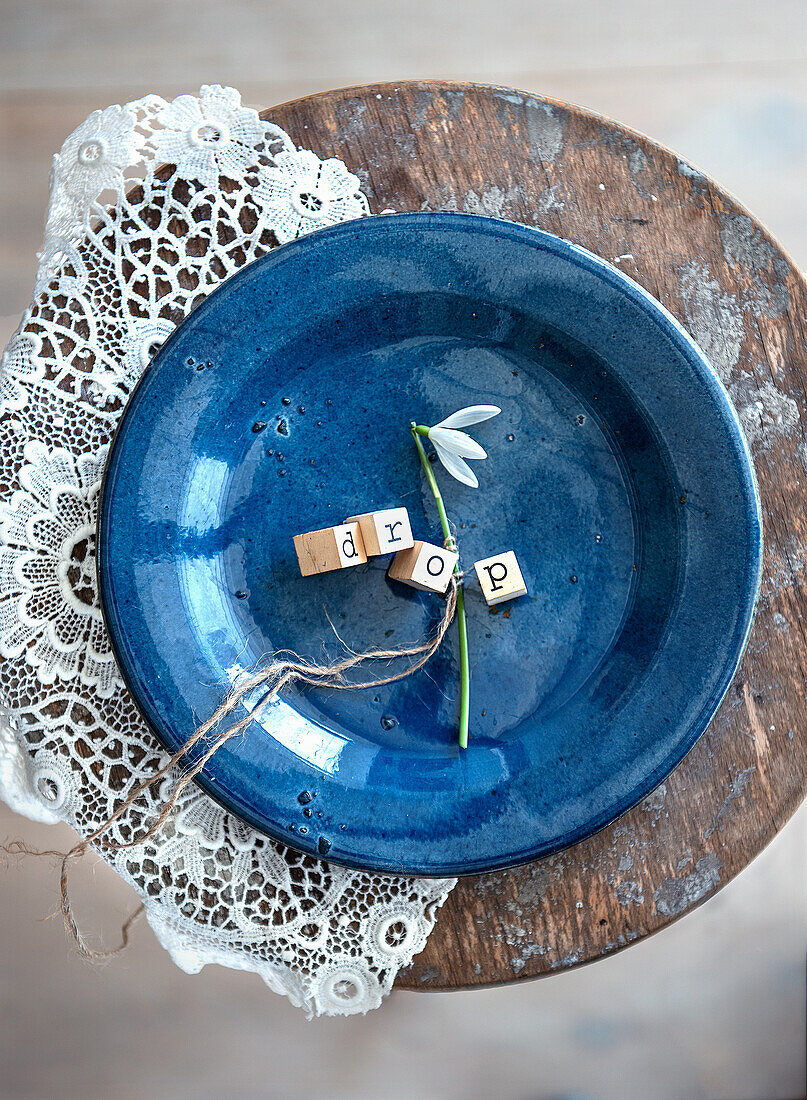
column 384, row 532
column 331, row 548
column 426, row 567
column 500, row 578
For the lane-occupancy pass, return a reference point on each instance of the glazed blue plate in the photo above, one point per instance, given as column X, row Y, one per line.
column 617, row 472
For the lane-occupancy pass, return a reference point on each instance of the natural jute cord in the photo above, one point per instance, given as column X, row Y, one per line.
column 283, row 670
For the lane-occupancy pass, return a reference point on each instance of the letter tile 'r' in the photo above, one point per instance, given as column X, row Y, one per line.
column 384, row 532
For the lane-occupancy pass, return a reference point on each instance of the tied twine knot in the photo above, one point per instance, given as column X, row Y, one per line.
column 283, row 669
column 450, row 543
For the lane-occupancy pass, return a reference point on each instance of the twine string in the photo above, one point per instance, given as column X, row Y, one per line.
column 284, row 669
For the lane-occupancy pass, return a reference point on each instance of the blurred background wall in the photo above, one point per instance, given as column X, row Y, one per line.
column 712, row 1007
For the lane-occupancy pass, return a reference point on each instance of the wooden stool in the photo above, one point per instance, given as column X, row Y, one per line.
column 495, row 151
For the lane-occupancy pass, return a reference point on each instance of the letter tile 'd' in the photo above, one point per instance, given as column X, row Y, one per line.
column 328, row 549
column 500, row 578
column 426, row 567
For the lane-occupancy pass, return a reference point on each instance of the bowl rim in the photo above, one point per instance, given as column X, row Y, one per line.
column 748, row 599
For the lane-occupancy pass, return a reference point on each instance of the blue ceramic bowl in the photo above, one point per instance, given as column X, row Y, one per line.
column 617, row 472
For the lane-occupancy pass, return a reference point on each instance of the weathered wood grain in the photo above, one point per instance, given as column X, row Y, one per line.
column 433, row 145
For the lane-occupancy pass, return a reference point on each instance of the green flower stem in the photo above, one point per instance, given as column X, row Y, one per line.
column 465, row 668
column 465, row 665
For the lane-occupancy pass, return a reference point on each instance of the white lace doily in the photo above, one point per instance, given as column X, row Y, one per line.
column 152, row 205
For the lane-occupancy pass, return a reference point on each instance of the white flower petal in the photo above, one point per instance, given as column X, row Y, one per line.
column 339, row 181
column 473, row 414
column 457, row 466
column 181, row 113
column 457, row 442
column 216, row 101
column 308, row 163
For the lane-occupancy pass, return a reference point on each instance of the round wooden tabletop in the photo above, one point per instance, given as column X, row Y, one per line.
column 496, row 151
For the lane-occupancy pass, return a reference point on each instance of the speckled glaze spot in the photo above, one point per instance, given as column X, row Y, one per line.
column 746, row 247
column 492, row 202
column 676, row 895
column 543, row 122
column 744, row 244
column 714, row 317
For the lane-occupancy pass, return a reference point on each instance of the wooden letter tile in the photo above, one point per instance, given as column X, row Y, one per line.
column 500, row 578
column 384, row 532
column 424, row 566
column 331, row 548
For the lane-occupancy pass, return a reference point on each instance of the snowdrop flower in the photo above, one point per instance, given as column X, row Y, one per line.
column 453, row 446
